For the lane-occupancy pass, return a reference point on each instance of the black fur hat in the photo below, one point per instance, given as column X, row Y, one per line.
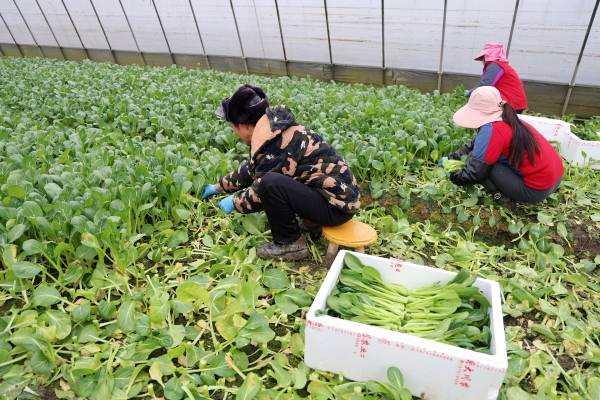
column 246, row 106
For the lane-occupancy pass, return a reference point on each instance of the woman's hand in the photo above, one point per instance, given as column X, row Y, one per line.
column 209, row 191
column 226, row 205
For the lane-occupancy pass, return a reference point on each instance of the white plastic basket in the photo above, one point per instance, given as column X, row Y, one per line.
column 436, row 370
column 573, row 149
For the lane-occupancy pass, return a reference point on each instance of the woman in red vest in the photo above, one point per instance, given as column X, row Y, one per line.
column 509, row 157
column 498, row 73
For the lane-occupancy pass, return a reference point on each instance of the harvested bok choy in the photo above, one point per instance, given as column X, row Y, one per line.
column 455, row 313
column 453, row 165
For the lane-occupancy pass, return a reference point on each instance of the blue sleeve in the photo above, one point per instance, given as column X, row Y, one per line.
column 491, row 75
column 482, row 141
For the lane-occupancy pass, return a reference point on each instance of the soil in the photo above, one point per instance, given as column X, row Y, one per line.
column 16, row 303
column 586, row 244
column 419, row 212
column 521, row 321
column 566, row 362
column 511, row 321
column 384, row 201
column 46, row 393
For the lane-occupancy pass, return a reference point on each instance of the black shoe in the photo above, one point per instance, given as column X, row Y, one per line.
column 289, row 252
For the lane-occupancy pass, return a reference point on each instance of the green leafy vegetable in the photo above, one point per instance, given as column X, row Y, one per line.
column 453, row 165
column 455, row 313
column 116, row 281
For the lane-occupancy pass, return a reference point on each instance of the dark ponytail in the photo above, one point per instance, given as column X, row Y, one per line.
column 523, row 140
column 247, row 105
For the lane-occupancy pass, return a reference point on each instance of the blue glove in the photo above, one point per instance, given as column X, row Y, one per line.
column 209, row 190
column 440, row 162
column 467, row 93
column 226, row 205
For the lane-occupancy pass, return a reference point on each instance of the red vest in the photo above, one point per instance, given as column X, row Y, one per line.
column 547, row 167
column 511, row 87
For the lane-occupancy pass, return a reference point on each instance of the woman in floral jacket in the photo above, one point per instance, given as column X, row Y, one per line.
column 292, row 174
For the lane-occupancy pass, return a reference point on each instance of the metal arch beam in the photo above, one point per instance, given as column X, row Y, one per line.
column 383, row 34
column 440, row 71
column 237, row 29
column 285, row 59
column 164, row 33
column 581, row 51
column 328, row 33
column 112, row 53
column 75, row 28
column 28, row 30
column 512, row 27
column 137, row 46
column 383, row 42
column 199, row 34
column 49, row 27
column 17, row 45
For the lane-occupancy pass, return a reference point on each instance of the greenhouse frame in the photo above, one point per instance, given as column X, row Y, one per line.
column 424, row 44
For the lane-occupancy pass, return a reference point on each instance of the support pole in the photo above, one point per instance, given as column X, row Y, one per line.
column 328, row 33
column 137, row 46
column 112, row 53
column 164, row 33
column 383, row 41
column 199, row 34
column 87, row 55
column 239, row 37
column 28, row 30
column 50, row 27
column 17, row 45
column 287, row 72
column 440, row 71
column 512, row 28
column 581, row 51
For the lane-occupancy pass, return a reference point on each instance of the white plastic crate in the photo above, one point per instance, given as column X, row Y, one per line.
column 572, row 148
column 436, row 370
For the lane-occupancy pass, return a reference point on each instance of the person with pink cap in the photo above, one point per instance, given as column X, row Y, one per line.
column 509, row 157
column 498, row 72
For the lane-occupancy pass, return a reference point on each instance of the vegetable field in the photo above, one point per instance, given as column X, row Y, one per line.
column 118, row 282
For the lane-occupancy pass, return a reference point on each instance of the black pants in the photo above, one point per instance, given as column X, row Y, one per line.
column 283, row 198
column 504, row 180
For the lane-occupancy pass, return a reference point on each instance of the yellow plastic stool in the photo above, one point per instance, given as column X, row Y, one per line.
column 353, row 234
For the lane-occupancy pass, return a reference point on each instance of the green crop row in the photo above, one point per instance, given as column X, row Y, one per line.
column 118, row 282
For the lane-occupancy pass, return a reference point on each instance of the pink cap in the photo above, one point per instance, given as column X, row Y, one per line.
column 485, row 105
column 492, row 52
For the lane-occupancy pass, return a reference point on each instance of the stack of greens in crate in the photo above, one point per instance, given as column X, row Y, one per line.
column 455, row 313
